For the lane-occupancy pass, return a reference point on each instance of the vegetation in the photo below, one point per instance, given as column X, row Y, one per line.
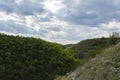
column 28, row 58
column 113, row 39
column 98, row 67
column 89, row 48
column 105, row 66
column 23, row 58
column 86, row 47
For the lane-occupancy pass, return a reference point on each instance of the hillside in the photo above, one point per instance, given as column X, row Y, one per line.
column 105, row 66
column 88, row 48
column 27, row 58
column 90, row 45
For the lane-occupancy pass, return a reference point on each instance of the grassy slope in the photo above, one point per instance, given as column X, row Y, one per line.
column 105, row 66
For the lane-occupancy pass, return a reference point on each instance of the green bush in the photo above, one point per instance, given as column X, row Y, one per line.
column 112, row 40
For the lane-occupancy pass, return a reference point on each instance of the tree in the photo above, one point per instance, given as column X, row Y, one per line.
column 23, row 58
column 113, row 38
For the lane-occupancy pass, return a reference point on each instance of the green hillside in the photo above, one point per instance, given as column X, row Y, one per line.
column 27, row 58
column 105, row 66
column 90, row 46
column 87, row 49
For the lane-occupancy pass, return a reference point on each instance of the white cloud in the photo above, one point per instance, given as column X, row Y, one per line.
column 53, row 5
column 18, row 1
column 4, row 17
column 111, row 25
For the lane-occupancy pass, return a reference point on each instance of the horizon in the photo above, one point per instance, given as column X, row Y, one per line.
column 60, row 21
column 24, row 36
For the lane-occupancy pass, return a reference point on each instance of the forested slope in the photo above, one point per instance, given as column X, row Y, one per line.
column 27, row 58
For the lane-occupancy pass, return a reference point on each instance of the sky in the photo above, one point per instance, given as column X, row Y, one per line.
column 61, row 21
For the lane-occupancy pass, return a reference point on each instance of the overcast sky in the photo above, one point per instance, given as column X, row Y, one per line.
column 62, row 21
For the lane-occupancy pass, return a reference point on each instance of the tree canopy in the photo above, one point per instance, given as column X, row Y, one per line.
column 27, row 58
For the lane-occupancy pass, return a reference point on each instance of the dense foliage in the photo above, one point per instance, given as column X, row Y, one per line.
column 32, row 59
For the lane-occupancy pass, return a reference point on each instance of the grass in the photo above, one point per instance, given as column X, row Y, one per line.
column 105, row 66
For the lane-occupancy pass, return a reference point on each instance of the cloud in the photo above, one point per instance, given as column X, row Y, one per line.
column 113, row 26
column 90, row 12
column 62, row 21
column 10, row 26
column 22, row 7
column 53, row 6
